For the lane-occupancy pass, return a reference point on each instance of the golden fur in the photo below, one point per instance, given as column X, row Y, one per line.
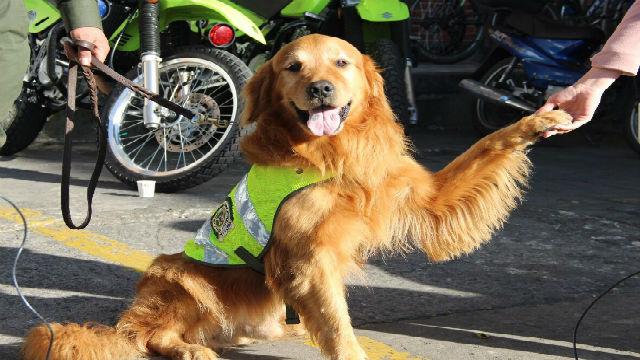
column 380, row 199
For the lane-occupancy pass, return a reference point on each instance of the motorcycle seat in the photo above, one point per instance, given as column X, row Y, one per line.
column 541, row 28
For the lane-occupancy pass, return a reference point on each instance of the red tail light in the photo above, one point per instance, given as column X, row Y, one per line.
column 221, row 35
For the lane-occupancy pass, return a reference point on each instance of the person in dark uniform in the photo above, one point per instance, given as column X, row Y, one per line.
column 81, row 19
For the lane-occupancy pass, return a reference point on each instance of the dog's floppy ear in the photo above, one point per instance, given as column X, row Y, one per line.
column 257, row 94
column 374, row 79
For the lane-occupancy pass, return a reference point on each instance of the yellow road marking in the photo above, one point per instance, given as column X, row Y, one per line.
column 83, row 240
column 376, row 350
column 122, row 254
column 381, row 351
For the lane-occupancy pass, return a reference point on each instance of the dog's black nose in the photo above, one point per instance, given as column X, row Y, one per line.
column 320, row 89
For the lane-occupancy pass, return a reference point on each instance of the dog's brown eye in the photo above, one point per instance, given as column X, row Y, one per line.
column 341, row 63
column 294, row 67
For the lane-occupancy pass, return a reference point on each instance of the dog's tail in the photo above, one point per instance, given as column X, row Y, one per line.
column 78, row 342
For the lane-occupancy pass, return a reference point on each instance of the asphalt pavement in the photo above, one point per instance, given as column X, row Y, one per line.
column 577, row 232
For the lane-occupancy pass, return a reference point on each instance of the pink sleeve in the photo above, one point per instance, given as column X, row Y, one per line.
column 622, row 50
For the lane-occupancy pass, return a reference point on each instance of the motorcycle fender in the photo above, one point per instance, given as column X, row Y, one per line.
column 191, row 10
column 41, row 15
column 383, row 10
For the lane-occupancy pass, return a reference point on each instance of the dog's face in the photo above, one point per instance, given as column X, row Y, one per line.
column 321, row 83
column 321, row 80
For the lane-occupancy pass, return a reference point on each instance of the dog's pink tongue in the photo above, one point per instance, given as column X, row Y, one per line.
column 324, row 121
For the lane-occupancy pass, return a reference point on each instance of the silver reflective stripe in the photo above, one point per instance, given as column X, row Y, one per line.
column 250, row 218
column 213, row 255
column 203, row 234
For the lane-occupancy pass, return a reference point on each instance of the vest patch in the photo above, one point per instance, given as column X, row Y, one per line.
column 239, row 230
column 222, row 220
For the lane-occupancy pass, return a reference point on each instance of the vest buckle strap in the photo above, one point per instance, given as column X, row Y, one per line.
column 255, row 264
column 292, row 316
column 251, row 261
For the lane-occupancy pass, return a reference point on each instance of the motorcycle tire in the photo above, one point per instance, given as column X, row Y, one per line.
column 632, row 128
column 491, row 117
column 387, row 56
column 25, row 121
column 213, row 162
column 438, row 26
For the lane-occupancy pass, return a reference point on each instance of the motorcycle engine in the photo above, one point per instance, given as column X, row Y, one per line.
column 43, row 76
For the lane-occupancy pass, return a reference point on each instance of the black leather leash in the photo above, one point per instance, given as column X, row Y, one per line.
column 71, row 47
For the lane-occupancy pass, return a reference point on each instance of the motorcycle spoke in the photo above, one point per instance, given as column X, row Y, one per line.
column 134, row 139
column 226, row 101
column 139, row 148
column 197, row 76
column 152, row 156
column 130, row 126
column 217, row 92
column 200, row 152
column 164, row 140
column 181, row 149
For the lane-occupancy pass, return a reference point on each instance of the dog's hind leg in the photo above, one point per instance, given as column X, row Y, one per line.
column 167, row 321
column 176, row 311
column 476, row 192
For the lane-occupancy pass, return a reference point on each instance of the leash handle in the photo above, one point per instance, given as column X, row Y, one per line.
column 68, row 144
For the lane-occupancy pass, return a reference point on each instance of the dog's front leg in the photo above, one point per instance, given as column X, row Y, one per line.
column 315, row 289
column 475, row 193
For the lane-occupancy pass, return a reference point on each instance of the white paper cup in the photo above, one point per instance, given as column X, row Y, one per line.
column 146, row 188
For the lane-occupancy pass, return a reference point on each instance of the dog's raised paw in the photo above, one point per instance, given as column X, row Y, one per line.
column 547, row 120
column 193, row 352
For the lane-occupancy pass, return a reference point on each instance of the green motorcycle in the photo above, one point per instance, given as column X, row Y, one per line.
column 377, row 27
column 162, row 46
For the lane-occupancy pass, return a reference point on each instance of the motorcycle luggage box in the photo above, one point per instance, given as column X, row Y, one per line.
column 540, row 28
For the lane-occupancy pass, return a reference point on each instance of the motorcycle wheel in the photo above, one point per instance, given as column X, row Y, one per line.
column 491, row 117
column 632, row 128
column 445, row 32
column 25, row 120
column 387, row 56
column 181, row 153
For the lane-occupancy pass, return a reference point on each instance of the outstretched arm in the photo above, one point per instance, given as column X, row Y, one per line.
column 82, row 20
column 619, row 56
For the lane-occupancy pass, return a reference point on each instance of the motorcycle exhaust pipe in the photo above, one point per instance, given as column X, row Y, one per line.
column 496, row 96
column 150, row 47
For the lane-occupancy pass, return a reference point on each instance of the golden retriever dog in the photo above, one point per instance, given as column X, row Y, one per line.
column 319, row 103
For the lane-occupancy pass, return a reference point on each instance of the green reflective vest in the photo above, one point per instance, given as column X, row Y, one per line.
column 239, row 231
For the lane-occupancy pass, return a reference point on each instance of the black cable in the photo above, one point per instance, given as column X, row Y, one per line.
column 575, row 330
column 15, row 279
